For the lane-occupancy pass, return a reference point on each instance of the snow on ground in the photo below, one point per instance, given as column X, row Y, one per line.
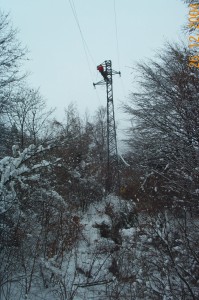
column 85, row 270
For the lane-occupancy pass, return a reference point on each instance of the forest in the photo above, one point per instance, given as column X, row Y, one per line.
column 62, row 236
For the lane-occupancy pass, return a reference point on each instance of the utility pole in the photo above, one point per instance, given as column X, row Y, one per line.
column 113, row 179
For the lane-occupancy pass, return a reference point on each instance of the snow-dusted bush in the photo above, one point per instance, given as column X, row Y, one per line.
column 35, row 223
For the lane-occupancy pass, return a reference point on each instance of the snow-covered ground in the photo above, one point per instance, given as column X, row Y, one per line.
column 145, row 259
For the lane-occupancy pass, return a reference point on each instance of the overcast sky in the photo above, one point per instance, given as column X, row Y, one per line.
column 57, row 58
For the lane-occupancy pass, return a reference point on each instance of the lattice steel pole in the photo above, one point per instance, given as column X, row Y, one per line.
column 113, row 179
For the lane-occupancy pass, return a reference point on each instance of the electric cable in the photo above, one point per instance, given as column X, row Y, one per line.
column 84, row 40
column 116, row 35
column 85, row 45
column 81, row 34
column 117, row 46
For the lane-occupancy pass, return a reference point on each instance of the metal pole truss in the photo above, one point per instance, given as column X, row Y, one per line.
column 112, row 180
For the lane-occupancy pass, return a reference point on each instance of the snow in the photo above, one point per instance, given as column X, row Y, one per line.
column 111, row 252
column 129, row 232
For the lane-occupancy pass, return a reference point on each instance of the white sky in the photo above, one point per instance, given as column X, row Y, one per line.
column 58, row 62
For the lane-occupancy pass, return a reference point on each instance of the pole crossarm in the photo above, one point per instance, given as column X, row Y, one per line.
column 113, row 181
column 116, row 72
column 101, row 82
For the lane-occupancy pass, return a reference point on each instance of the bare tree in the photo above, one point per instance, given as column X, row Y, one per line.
column 165, row 121
column 11, row 56
column 29, row 115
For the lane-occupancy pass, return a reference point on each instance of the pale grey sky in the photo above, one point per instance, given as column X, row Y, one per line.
column 58, row 62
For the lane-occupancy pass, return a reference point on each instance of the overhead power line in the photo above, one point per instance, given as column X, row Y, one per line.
column 116, row 35
column 117, row 47
column 84, row 43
